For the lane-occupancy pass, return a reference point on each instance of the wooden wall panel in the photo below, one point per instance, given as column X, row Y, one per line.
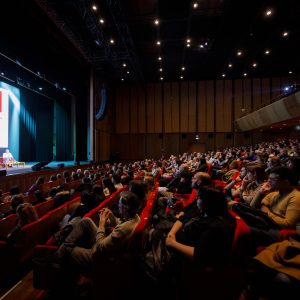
column 238, row 98
column 201, row 100
column 158, row 108
column 167, row 107
column 276, row 88
column 134, row 110
column 256, row 92
column 153, row 146
column 266, row 89
column 103, row 145
column 119, row 113
column 141, row 95
column 137, row 146
column 123, row 111
column 192, row 106
column 228, row 106
column 220, row 114
column 171, row 144
column 150, row 108
column 247, row 95
column 210, row 105
column 184, row 107
column 175, row 107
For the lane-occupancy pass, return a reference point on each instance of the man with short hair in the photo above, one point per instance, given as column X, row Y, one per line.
column 282, row 205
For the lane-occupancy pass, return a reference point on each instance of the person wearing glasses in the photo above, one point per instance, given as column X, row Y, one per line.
column 281, row 205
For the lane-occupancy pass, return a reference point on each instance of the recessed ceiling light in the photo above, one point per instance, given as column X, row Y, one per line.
column 2, row 73
column 285, row 34
column 188, row 41
column 122, row 79
column 254, row 65
column 188, row 45
column 94, row 7
column 181, row 77
column 268, row 12
column 160, row 70
column 239, row 53
column 127, row 72
column 124, row 65
column 290, row 72
column 229, row 65
column 158, row 43
column 182, row 68
column 245, row 74
column 159, row 58
column 156, row 21
column 201, row 46
column 195, row 5
column 112, row 41
column 161, row 78
column 267, row 52
column 223, row 75
column 101, row 21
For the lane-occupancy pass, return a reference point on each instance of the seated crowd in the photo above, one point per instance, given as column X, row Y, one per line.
column 200, row 198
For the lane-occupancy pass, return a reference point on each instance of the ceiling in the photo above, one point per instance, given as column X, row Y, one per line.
column 217, row 30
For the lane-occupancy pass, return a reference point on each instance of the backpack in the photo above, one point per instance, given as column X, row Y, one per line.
column 156, row 257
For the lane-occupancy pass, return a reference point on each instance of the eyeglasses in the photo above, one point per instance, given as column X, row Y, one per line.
column 273, row 178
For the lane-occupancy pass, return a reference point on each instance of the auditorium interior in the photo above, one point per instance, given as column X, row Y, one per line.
column 118, row 89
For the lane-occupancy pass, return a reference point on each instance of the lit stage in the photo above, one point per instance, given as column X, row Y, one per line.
column 55, row 165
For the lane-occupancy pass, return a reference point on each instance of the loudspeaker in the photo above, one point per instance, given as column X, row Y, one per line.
column 60, row 165
column 39, row 166
column 2, row 172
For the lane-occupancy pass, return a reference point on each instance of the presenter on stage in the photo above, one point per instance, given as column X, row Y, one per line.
column 8, row 158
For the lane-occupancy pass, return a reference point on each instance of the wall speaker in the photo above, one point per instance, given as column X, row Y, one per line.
column 39, row 166
column 2, row 172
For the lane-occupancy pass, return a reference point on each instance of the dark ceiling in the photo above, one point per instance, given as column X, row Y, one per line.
column 217, row 30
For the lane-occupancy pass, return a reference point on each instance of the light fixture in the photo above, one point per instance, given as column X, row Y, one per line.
column 122, row 79
column 127, row 72
column 158, row 43
column 183, row 68
column 267, row 52
column 101, row 21
column 94, row 7
column 156, row 21
column 285, row 34
column 112, row 41
column 229, row 65
column 195, row 5
column 161, row 78
column 188, row 41
column 245, row 74
column 124, row 65
column 290, row 72
column 159, row 58
column 223, row 75
column 268, row 12
column 254, row 65
column 188, row 45
column 160, row 70
column 239, row 53
column 181, row 77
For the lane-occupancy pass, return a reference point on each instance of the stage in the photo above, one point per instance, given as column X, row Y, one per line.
column 55, row 165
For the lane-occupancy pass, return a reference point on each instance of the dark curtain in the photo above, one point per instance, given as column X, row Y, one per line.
column 63, row 132
column 36, row 127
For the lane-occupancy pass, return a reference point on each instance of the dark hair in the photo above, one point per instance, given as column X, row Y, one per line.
column 213, row 201
column 284, row 173
column 16, row 200
column 14, row 190
column 139, row 188
column 130, row 200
